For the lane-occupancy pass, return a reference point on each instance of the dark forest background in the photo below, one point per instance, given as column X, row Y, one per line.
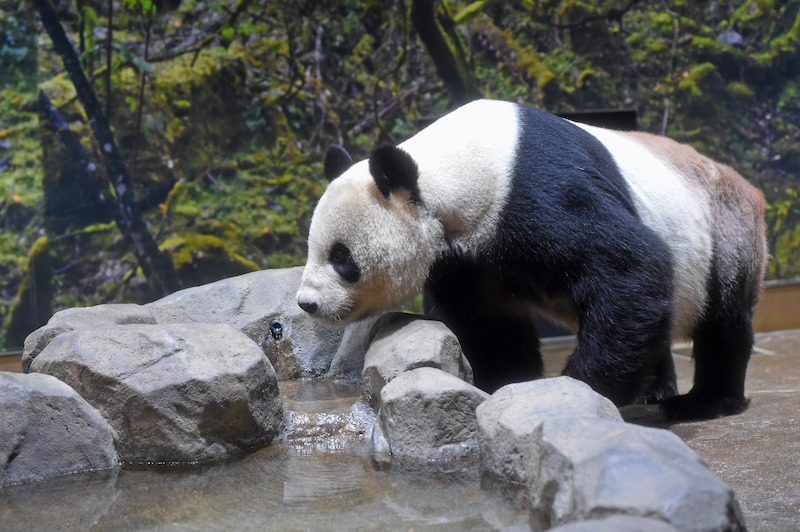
column 200, row 155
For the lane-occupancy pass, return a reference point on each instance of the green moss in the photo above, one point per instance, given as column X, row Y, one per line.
column 694, row 76
column 788, row 41
column 708, row 44
column 32, row 307
column 470, row 12
column 740, row 90
column 201, row 259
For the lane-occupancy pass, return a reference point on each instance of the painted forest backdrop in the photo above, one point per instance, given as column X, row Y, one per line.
column 201, row 154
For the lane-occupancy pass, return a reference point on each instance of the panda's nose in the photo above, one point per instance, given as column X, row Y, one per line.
column 308, row 306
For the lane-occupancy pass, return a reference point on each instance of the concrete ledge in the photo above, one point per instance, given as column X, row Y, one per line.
column 11, row 361
column 779, row 307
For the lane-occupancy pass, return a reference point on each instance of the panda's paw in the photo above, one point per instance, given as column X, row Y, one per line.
column 658, row 392
column 693, row 407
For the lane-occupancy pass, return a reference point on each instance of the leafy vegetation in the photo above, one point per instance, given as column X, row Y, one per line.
column 223, row 109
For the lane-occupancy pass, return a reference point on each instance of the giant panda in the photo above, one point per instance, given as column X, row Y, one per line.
column 498, row 209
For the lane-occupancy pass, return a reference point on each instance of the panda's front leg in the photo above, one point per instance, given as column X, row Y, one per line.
column 624, row 336
column 493, row 325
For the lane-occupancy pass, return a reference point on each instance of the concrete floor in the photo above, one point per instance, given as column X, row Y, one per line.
column 757, row 452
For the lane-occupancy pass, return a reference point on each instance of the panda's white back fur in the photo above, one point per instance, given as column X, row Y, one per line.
column 678, row 210
column 482, row 137
column 465, row 161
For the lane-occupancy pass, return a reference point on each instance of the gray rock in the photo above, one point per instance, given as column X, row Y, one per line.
column 617, row 523
column 584, row 469
column 82, row 318
column 175, row 393
column 47, row 429
column 348, row 362
column 511, row 415
column 427, row 414
column 263, row 305
column 403, row 345
column 730, row 37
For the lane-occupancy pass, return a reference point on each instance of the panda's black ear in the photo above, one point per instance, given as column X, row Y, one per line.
column 337, row 161
column 392, row 169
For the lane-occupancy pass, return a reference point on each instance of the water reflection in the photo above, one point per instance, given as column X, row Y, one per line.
column 280, row 487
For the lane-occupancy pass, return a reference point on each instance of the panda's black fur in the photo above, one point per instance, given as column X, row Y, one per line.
column 570, row 241
column 586, row 239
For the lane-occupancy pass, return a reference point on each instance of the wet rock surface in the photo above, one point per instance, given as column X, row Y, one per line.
column 47, row 429
column 427, row 414
column 583, row 469
column 263, row 305
column 348, row 362
column 324, row 416
column 176, row 393
column 406, row 344
column 82, row 318
column 508, row 419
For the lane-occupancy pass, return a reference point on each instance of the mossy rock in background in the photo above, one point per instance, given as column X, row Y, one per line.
column 33, row 306
column 202, row 259
column 200, row 109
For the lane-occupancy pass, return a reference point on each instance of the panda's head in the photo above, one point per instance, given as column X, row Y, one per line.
column 372, row 242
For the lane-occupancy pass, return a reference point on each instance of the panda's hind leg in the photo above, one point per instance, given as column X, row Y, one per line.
column 723, row 342
column 664, row 384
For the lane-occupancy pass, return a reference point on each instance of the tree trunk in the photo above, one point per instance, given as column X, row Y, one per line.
column 460, row 85
column 156, row 265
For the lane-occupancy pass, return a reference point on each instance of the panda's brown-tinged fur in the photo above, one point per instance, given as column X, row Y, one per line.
column 498, row 209
column 738, row 208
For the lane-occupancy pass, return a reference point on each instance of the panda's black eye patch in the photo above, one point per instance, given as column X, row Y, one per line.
column 343, row 263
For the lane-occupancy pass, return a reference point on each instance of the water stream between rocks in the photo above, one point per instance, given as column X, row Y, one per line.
column 323, row 477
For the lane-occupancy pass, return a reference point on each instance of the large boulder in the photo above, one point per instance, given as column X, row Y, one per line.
column 583, row 469
column 509, row 417
column 263, row 305
column 82, row 318
column 175, row 393
column 427, row 414
column 47, row 429
column 406, row 344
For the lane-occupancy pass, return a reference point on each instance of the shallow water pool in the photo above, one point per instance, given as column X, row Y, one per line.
column 323, row 478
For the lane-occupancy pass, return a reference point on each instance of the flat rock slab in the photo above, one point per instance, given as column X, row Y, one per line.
column 172, row 393
column 583, row 469
column 82, row 318
column 407, row 344
column 508, row 419
column 263, row 305
column 428, row 414
column 47, row 429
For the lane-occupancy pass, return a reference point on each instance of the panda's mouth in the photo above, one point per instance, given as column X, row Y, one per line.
column 342, row 316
